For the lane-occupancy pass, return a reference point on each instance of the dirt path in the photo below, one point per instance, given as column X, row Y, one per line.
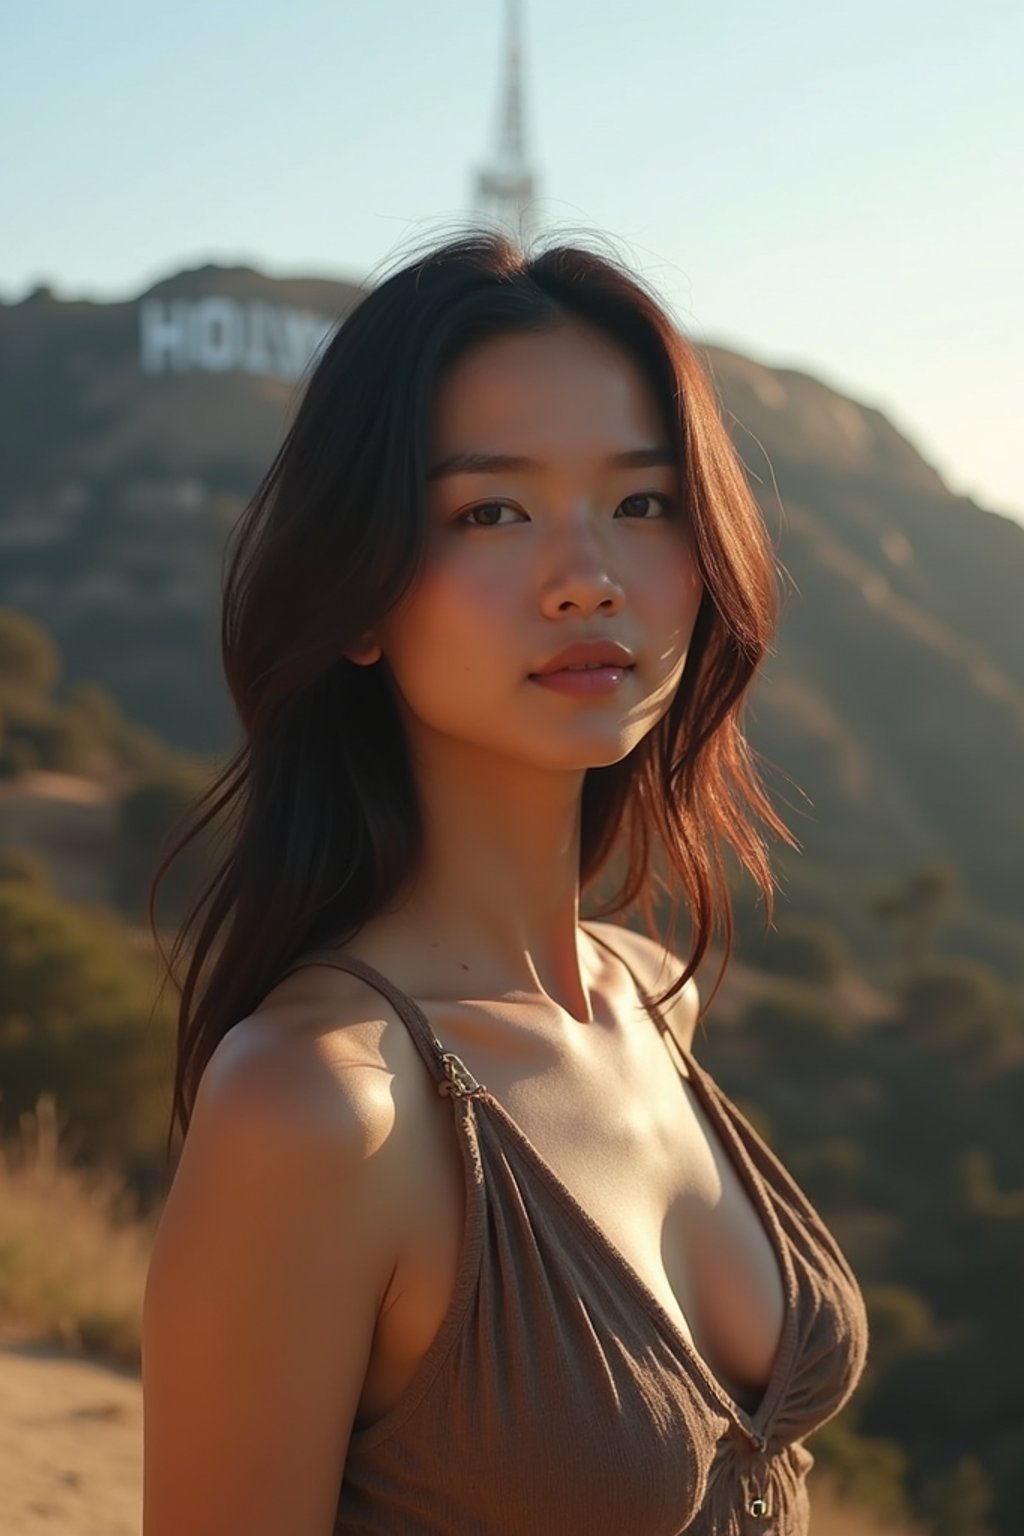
column 70, row 1444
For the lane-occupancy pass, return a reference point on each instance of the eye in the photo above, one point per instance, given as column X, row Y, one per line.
column 483, row 506
column 667, row 502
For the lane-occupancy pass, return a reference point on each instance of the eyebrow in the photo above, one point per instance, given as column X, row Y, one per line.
column 471, row 463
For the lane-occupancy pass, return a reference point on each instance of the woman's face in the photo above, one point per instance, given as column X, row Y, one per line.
column 523, row 561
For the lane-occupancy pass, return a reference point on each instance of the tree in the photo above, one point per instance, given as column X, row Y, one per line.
column 913, row 911
column 21, row 864
column 29, row 658
column 801, row 1034
column 76, row 1005
column 868, row 1469
column 957, row 1501
column 149, row 816
column 901, row 1321
column 830, row 1171
column 958, row 1004
column 805, row 948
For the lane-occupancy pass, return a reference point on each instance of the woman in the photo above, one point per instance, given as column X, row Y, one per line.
column 462, row 1238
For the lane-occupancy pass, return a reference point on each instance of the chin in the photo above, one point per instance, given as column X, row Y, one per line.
column 578, row 756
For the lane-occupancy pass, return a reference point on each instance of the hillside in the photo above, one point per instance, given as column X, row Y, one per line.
column 891, row 715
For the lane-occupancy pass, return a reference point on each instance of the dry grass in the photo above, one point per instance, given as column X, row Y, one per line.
column 831, row 1516
column 73, row 1256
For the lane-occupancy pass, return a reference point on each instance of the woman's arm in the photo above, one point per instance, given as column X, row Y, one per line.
column 272, row 1257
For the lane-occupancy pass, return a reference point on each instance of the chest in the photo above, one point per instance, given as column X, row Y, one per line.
column 625, row 1135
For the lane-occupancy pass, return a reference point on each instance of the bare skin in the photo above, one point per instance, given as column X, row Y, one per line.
column 604, row 1104
column 488, row 938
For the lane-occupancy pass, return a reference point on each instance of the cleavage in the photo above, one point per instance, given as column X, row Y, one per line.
column 630, row 1140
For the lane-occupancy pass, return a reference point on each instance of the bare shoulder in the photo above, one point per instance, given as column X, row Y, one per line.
column 307, row 1086
column 274, row 1251
column 318, row 1076
column 308, row 1060
column 657, row 969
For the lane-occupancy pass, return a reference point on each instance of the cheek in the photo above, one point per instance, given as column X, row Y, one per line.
column 469, row 592
column 450, row 626
column 672, row 594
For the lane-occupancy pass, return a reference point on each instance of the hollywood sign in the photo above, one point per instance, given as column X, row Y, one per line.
column 218, row 334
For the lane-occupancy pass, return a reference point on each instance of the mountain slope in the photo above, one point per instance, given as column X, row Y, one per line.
column 134, row 432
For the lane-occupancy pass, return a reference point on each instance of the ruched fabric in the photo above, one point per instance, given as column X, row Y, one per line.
column 559, row 1398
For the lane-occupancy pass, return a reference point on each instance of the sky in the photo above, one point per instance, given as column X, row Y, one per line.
column 825, row 187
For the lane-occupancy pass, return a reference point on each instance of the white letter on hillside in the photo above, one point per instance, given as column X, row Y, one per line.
column 218, row 334
column 165, row 335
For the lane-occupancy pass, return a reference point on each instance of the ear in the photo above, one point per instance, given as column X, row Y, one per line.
column 365, row 653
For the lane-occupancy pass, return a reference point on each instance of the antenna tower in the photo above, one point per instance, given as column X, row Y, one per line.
column 505, row 189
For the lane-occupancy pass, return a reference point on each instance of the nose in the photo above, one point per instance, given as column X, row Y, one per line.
column 577, row 574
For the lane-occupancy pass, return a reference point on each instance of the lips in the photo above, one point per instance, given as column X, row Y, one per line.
column 590, row 666
column 585, row 654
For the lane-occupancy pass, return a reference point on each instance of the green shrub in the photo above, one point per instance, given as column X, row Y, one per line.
column 804, row 948
column 799, row 1034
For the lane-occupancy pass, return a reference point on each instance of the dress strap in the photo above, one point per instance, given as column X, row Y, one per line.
column 448, row 1070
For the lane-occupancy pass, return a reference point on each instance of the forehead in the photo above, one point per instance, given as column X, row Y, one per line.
column 551, row 394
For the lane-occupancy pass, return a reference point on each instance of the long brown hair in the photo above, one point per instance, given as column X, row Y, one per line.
column 318, row 802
